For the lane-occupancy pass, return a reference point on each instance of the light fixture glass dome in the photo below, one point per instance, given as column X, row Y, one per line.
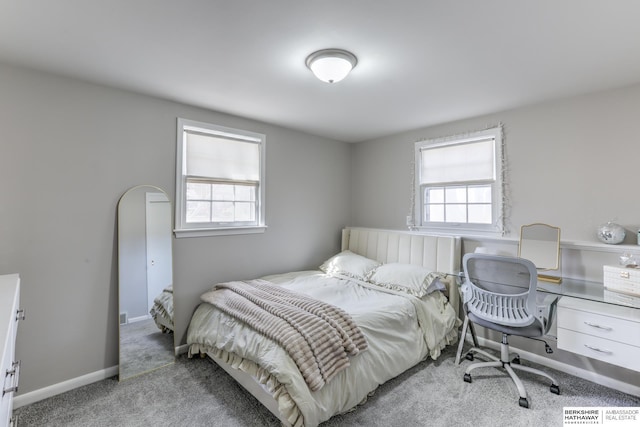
column 331, row 65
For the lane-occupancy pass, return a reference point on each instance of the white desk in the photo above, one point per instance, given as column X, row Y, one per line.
column 592, row 322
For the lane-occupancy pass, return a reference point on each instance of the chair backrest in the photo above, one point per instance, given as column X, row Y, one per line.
column 500, row 289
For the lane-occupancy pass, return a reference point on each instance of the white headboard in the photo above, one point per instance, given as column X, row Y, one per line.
column 438, row 253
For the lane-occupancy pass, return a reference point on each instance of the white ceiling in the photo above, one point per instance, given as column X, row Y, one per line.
column 420, row 63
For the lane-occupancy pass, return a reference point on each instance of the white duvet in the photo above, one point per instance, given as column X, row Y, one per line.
column 401, row 331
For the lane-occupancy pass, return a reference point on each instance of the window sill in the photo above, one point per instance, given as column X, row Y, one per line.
column 206, row 232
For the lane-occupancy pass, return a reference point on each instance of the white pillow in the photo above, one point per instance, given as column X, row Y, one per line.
column 411, row 279
column 349, row 264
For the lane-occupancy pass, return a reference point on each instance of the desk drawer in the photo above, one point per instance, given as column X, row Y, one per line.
column 9, row 301
column 616, row 353
column 611, row 328
column 6, row 399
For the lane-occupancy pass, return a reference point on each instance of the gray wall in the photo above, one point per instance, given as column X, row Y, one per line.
column 573, row 163
column 69, row 150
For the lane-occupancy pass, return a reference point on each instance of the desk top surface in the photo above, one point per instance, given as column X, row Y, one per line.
column 589, row 290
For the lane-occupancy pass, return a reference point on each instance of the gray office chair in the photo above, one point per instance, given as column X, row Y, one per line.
column 499, row 293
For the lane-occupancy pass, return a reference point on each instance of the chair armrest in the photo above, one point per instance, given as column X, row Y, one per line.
column 465, row 292
column 547, row 310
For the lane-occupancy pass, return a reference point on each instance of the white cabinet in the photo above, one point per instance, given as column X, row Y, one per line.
column 9, row 367
column 601, row 331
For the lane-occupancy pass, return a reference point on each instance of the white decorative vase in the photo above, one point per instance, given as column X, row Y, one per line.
column 611, row 233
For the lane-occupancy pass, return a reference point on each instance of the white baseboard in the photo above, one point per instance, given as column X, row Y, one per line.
column 138, row 319
column 55, row 389
column 182, row 349
column 569, row 369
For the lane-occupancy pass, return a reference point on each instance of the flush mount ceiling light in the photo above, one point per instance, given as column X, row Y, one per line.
column 331, row 65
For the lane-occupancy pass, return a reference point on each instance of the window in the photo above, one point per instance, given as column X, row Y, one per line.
column 459, row 182
column 220, row 180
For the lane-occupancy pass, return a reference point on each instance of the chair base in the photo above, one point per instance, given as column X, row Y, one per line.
column 511, row 363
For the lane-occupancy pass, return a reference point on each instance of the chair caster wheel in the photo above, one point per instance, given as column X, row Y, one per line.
column 555, row 389
column 467, row 378
column 524, row 402
column 469, row 356
column 516, row 360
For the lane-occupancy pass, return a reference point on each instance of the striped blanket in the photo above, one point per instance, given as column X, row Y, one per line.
column 318, row 336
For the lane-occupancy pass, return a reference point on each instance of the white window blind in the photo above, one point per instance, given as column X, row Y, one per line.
column 221, row 158
column 472, row 161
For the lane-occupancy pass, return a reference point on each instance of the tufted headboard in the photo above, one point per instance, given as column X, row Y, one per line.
column 438, row 253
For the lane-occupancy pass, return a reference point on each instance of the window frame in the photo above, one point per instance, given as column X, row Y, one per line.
column 497, row 185
column 202, row 229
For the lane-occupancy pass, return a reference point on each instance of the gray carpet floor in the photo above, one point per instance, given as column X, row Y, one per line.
column 143, row 347
column 196, row 392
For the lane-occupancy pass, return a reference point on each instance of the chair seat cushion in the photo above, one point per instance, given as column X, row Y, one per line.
column 533, row 330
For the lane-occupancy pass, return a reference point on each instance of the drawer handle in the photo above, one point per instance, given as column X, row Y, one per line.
column 593, row 325
column 20, row 314
column 15, row 373
column 624, row 274
column 599, row 350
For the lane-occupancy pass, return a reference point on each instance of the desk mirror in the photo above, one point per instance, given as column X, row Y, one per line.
column 145, row 276
column 540, row 243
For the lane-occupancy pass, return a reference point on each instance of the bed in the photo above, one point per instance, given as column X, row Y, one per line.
column 379, row 279
column 162, row 310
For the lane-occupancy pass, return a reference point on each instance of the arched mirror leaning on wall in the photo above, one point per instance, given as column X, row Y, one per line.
column 540, row 244
column 145, row 276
